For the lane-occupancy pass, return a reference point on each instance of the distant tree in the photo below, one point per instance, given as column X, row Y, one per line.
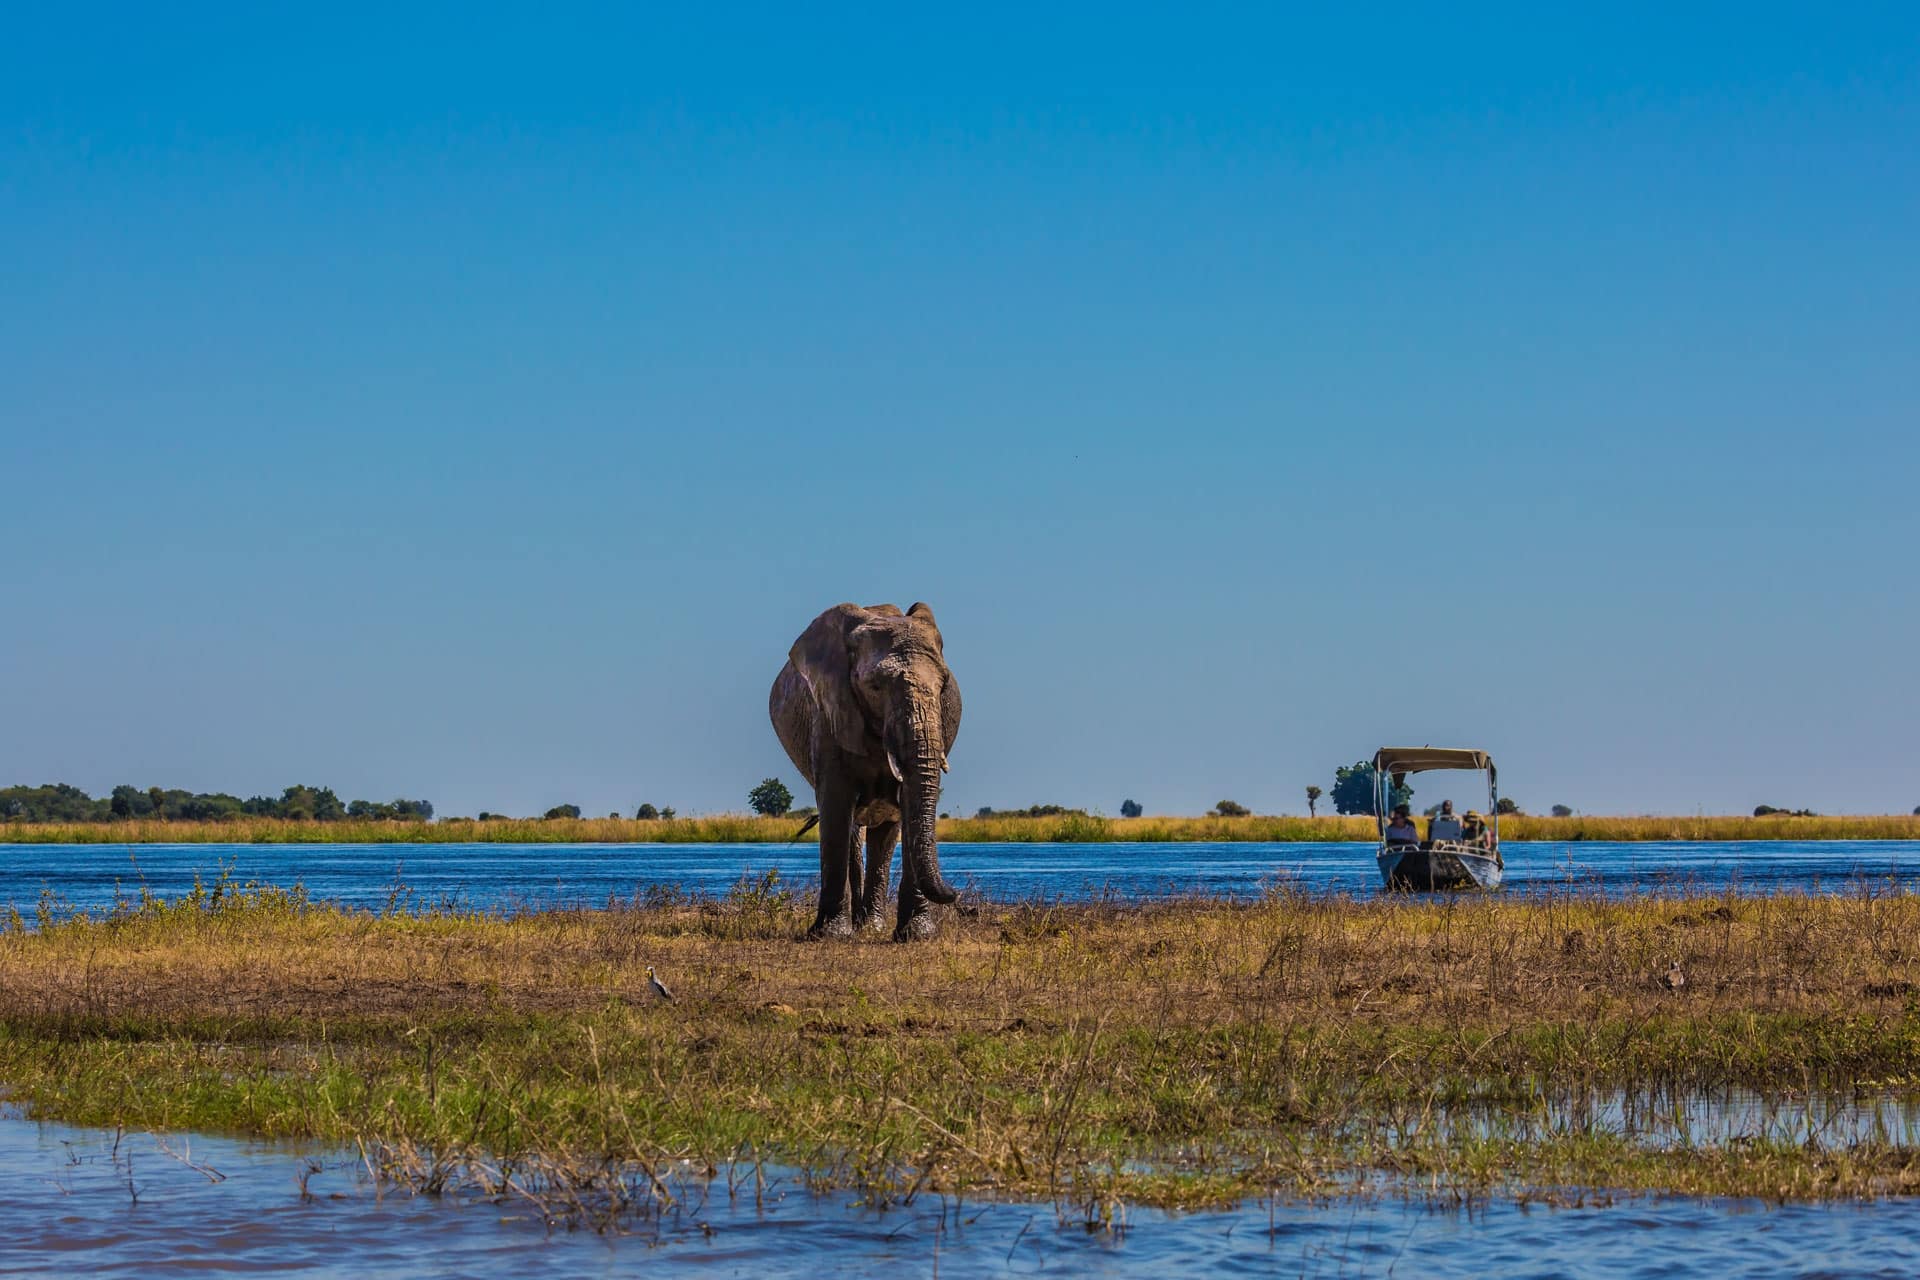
column 646, row 813
column 157, row 799
column 53, row 802
column 666, row 813
column 1353, row 791
column 491, row 817
column 563, row 811
column 208, row 808
column 614, row 814
column 1130, row 809
column 401, row 810
column 770, row 799
column 1230, row 809
column 1031, row 811
column 1916, row 811
column 1562, row 811
column 1313, row 801
column 1506, row 806
column 312, row 804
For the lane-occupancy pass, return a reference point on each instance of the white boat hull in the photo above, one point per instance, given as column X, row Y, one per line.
column 1447, row 866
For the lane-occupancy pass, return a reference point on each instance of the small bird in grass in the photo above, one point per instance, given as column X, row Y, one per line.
column 1675, row 979
column 659, row 987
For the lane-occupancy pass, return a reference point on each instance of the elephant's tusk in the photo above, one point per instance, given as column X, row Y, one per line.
column 894, row 765
column 943, row 762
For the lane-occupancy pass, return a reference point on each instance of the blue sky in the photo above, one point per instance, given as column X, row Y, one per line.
column 475, row 403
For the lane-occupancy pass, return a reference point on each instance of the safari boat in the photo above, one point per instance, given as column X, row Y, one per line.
column 1456, row 860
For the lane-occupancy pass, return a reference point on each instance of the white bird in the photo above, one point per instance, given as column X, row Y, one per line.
column 659, row 987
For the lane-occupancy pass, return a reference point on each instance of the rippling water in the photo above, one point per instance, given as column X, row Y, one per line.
column 139, row 1204
column 495, row 876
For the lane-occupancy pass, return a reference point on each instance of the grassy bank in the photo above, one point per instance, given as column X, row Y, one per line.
column 747, row 829
column 1289, row 1044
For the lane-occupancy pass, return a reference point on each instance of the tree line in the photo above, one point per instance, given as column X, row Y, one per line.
column 59, row 802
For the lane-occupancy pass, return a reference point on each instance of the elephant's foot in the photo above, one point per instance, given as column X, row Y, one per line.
column 840, row 926
column 920, row 924
column 868, row 918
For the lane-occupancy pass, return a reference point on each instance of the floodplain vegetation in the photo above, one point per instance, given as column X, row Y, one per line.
column 1100, row 1054
column 1052, row 828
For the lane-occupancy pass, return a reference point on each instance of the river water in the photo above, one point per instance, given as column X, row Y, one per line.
column 512, row 877
column 74, row 1200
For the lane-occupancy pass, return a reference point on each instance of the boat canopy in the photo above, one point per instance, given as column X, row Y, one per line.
column 1420, row 759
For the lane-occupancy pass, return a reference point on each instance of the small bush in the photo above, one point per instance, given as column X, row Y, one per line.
column 562, row 811
column 1231, row 809
column 1562, row 811
column 1130, row 809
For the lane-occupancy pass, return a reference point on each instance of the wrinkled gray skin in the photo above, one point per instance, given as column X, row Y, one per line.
column 867, row 711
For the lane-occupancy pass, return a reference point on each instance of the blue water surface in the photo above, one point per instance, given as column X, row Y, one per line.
column 521, row 876
column 96, row 1202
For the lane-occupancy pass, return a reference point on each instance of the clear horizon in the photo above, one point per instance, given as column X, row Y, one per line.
column 469, row 406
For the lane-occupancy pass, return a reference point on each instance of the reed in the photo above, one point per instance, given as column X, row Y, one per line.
column 1071, row 827
column 1179, row 1053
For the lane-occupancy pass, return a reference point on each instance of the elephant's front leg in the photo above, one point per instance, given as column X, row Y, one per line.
column 837, row 834
column 881, row 838
column 853, row 873
column 914, row 917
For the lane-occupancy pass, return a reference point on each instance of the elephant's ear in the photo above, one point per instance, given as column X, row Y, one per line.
column 949, row 712
column 924, row 612
column 821, row 657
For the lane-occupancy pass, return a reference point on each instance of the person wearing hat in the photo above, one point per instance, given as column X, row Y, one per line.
column 1473, row 828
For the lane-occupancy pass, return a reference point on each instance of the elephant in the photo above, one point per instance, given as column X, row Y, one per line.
column 867, row 711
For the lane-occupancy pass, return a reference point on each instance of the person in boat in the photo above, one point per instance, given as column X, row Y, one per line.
column 1444, row 825
column 1400, row 828
column 1473, row 828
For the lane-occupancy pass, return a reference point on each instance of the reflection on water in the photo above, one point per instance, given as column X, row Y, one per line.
column 138, row 1204
column 1662, row 1119
column 506, row 876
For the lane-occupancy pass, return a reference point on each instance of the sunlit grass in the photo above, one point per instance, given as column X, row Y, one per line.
column 1179, row 1053
column 1060, row 828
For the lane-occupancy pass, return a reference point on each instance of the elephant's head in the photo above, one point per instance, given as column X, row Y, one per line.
column 879, row 678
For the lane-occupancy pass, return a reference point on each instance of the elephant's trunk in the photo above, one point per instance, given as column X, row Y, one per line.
column 920, row 802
